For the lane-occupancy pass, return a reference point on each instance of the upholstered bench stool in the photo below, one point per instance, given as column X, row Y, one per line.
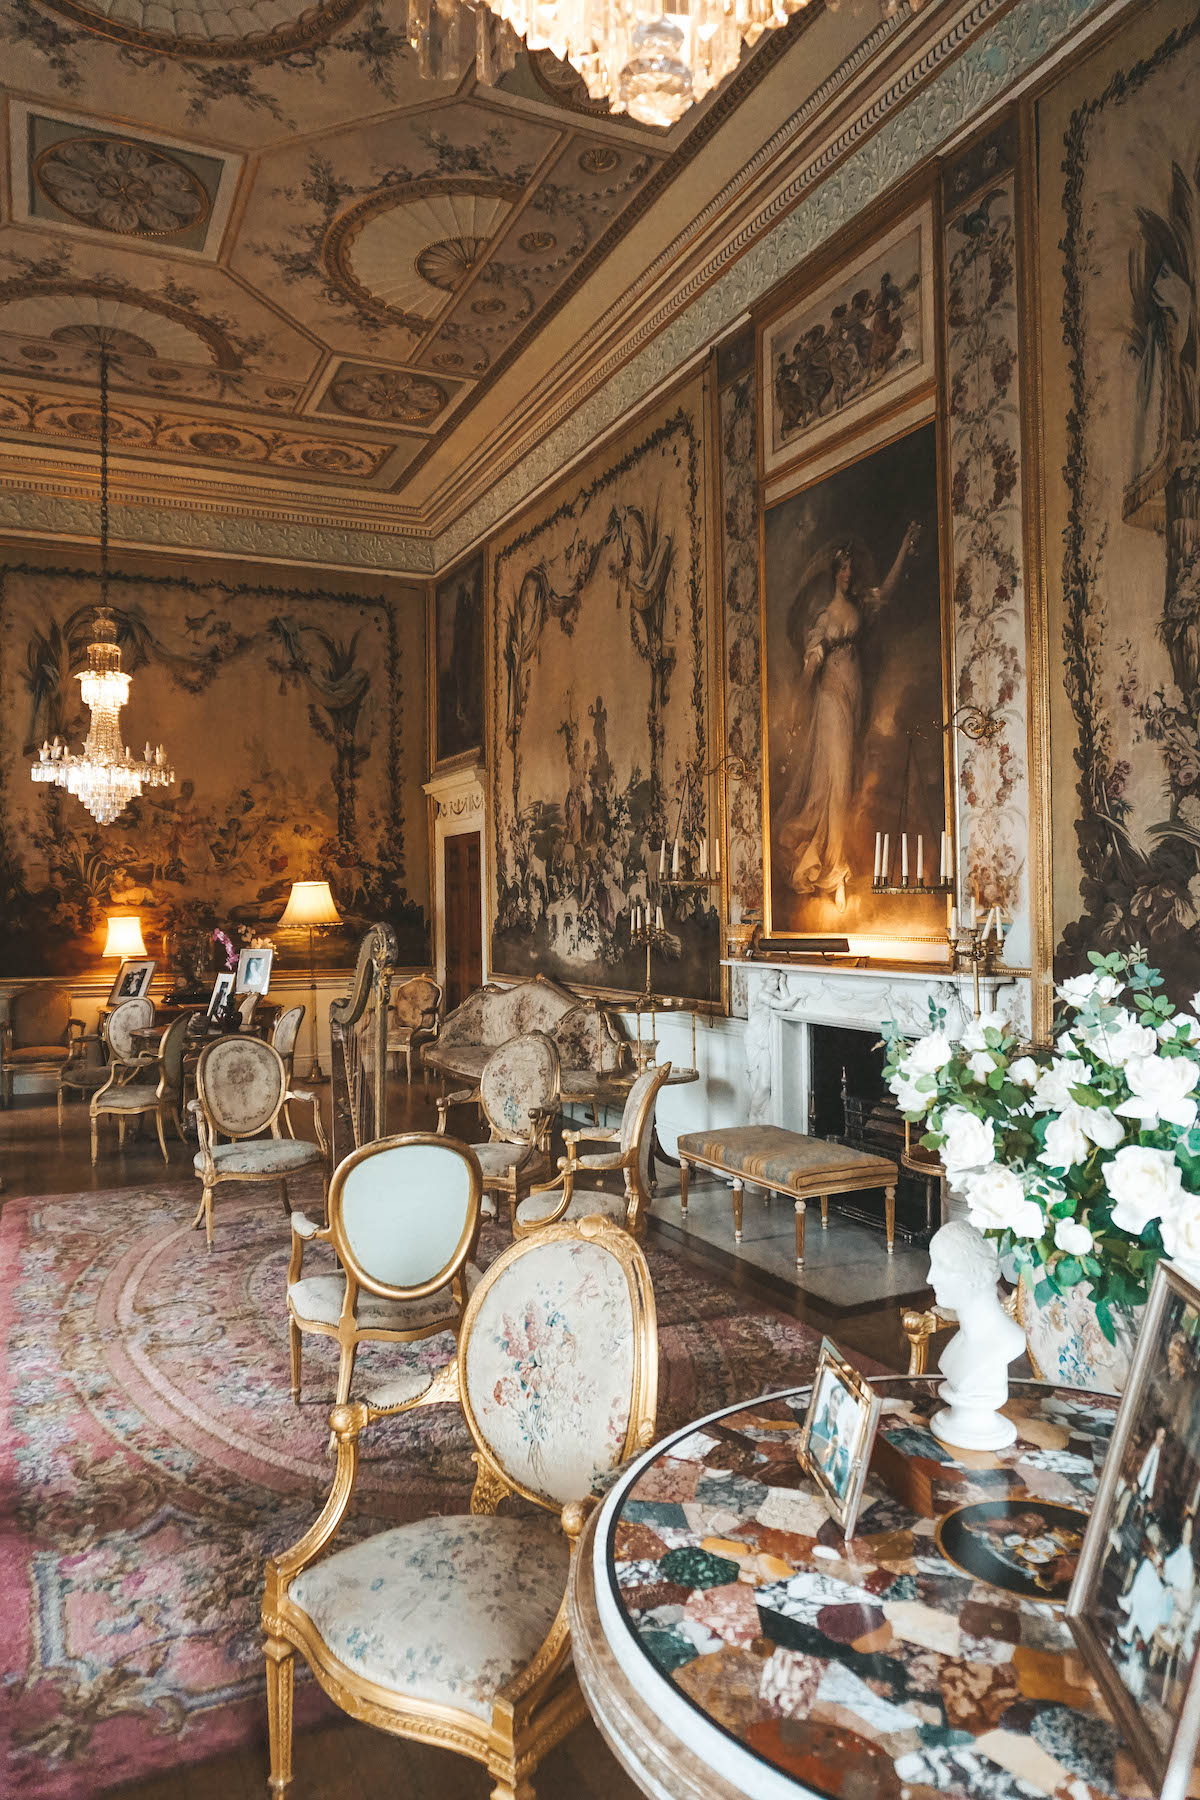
column 786, row 1162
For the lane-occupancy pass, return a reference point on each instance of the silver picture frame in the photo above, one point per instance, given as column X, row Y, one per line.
column 838, row 1434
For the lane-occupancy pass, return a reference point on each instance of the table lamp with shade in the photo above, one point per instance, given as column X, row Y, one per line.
column 310, row 906
column 124, row 935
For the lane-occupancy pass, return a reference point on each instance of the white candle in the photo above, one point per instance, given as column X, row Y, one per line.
column 944, row 862
column 920, row 861
column 675, row 858
column 662, row 859
column 636, row 924
column 704, row 856
column 878, row 851
column 716, row 868
column 904, row 857
column 953, row 921
column 658, row 918
column 883, row 867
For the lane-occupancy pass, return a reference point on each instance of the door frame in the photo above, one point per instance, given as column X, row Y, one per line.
column 458, row 805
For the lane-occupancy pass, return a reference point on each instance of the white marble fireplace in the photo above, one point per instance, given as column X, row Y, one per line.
column 785, row 1000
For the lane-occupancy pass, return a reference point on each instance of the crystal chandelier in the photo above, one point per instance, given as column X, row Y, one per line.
column 105, row 777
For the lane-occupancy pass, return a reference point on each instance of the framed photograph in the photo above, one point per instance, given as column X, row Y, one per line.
column 456, row 677
column 838, row 1432
column 860, row 342
column 222, row 989
column 853, row 696
column 254, row 971
column 1134, row 1606
column 133, row 979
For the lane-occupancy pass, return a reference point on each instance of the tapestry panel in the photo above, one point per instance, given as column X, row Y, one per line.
column 599, row 710
column 294, row 717
column 743, row 667
column 986, row 546
column 1119, row 255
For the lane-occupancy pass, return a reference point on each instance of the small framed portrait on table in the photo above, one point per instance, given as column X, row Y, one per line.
column 838, row 1432
column 133, row 980
column 254, row 970
column 1134, row 1606
column 222, row 988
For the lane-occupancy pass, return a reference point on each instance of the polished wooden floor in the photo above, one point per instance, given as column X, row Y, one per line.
column 346, row 1761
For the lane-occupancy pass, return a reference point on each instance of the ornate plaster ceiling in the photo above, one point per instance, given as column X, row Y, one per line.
column 312, row 267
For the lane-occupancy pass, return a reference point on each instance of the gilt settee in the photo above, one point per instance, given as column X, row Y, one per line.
column 591, row 1041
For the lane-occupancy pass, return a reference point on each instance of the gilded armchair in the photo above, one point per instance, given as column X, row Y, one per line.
column 416, row 1009
column 39, row 1035
column 152, row 1083
column 116, row 1037
column 454, row 1630
column 518, row 1094
column 241, row 1091
column 633, row 1137
column 403, row 1224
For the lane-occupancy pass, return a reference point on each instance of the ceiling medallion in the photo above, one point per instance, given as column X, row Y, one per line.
column 450, row 261
column 311, row 25
column 533, row 242
column 115, row 184
column 388, row 394
column 599, row 160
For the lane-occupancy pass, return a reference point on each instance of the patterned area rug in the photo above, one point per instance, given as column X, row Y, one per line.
column 152, row 1459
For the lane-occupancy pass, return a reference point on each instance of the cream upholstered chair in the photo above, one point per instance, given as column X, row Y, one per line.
column 116, row 1035
column 518, row 1093
column 152, row 1083
column 241, row 1090
column 285, row 1034
column 39, row 1034
column 634, row 1137
column 416, row 1006
column 403, row 1222
column 455, row 1629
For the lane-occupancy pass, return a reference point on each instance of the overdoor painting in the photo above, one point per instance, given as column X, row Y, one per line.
column 1120, row 267
column 458, row 663
column 852, row 654
column 599, row 707
column 294, row 721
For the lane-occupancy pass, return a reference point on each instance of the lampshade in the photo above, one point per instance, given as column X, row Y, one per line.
column 124, row 935
column 310, row 903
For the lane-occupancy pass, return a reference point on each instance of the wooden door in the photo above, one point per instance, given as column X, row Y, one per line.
column 464, row 927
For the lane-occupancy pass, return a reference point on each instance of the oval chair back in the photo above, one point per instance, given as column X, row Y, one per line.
column 404, row 1213
column 286, row 1031
column 122, row 1022
column 519, row 1084
column 170, row 1057
column 637, row 1124
column 575, row 1300
column 246, row 1006
column 241, row 1083
column 417, row 1002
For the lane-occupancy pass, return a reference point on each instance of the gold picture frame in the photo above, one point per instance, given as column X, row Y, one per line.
column 838, row 1434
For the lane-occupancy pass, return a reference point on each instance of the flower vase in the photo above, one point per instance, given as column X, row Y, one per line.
column 1065, row 1343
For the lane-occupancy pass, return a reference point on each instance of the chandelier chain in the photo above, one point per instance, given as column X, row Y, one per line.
column 103, row 477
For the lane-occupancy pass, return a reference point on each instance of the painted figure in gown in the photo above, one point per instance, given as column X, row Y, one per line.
column 827, row 728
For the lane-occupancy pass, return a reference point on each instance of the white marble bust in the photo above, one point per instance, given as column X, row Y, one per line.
column 963, row 1271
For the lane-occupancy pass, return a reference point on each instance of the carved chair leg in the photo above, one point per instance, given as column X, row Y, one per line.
column 507, row 1788
column 120, row 1131
column 158, row 1120
column 800, row 1210
column 737, row 1211
column 345, row 1373
column 287, row 1119
column 287, row 1211
column 60, row 1109
column 683, row 1187
column 824, row 1212
column 281, row 1669
column 208, row 1216
column 181, row 1134
column 889, row 1207
column 295, row 1347
column 95, row 1140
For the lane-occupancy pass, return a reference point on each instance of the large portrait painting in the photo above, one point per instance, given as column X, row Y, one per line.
column 457, row 675
column 853, row 697
column 599, row 710
column 860, row 342
column 1119, row 249
column 294, row 718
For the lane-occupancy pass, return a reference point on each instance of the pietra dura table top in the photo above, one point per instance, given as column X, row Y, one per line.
column 729, row 1643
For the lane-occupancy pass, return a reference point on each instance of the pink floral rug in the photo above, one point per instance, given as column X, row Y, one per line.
column 152, row 1458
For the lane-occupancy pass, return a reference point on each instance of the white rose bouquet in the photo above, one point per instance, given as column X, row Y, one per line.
column 1081, row 1160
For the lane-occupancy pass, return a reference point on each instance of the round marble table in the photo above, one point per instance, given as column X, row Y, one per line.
column 729, row 1644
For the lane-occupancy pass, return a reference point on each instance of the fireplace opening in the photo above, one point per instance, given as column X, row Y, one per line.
column 849, row 1103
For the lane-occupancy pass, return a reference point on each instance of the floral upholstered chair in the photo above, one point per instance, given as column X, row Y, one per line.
column 403, row 1223
column 116, row 1036
column 152, row 1083
column 39, row 1034
column 285, row 1034
column 634, row 1136
column 518, row 1093
column 455, row 1629
column 416, row 1007
column 241, row 1090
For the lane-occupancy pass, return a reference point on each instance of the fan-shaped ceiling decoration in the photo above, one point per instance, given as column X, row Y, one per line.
column 401, row 252
column 258, row 29
column 124, row 325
